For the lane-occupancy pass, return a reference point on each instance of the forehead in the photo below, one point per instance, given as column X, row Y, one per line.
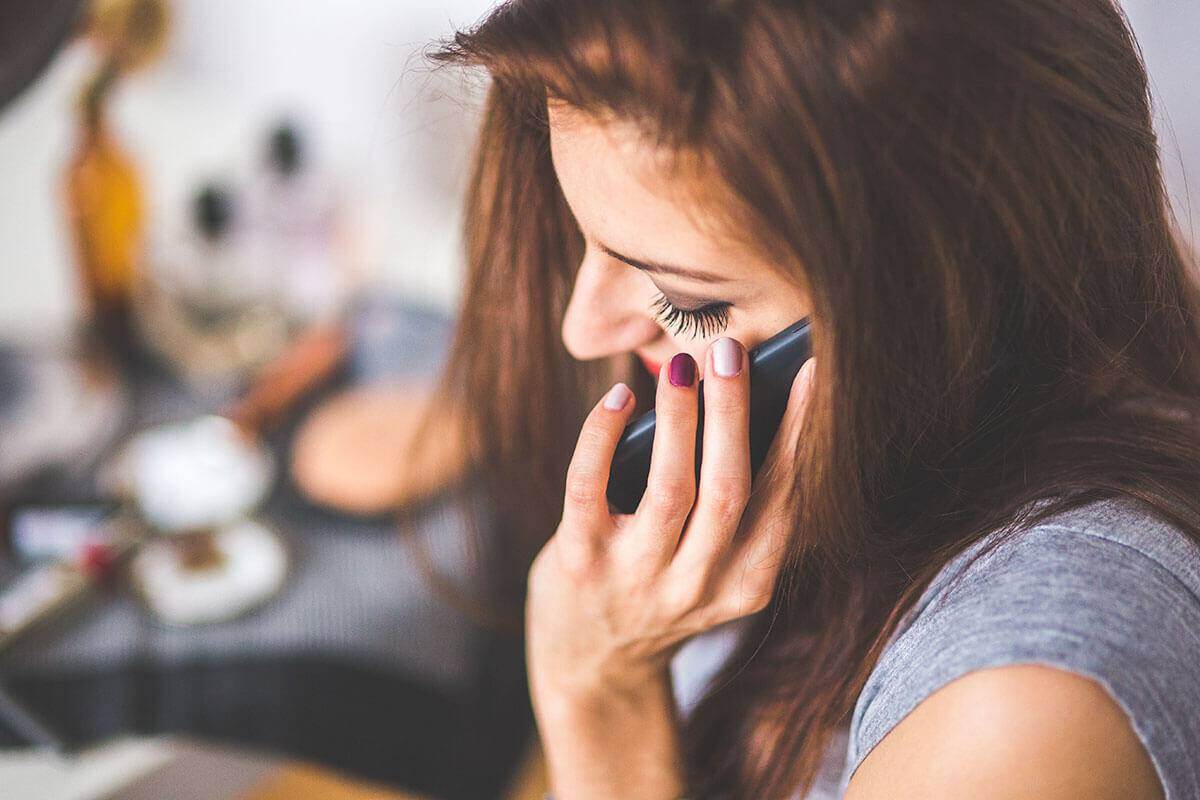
column 638, row 199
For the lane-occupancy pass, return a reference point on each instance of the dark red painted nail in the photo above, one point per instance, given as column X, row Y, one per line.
column 682, row 371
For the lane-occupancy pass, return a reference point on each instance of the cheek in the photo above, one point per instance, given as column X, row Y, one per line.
column 786, row 307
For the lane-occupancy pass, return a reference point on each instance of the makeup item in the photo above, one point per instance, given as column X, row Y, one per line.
column 193, row 474
column 773, row 367
column 49, row 589
column 105, row 202
column 208, row 304
column 37, row 532
column 295, row 212
column 208, row 471
column 37, row 594
column 212, row 575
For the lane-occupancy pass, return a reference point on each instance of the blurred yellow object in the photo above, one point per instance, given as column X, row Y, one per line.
column 104, row 193
column 298, row 781
column 104, row 201
column 134, row 31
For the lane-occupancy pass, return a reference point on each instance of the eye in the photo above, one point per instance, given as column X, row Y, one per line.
column 704, row 321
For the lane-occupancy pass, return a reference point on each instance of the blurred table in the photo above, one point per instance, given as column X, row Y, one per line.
column 179, row 768
column 358, row 664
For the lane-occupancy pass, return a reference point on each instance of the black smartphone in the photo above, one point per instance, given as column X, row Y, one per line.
column 773, row 367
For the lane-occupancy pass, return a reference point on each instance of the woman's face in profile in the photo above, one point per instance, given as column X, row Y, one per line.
column 651, row 281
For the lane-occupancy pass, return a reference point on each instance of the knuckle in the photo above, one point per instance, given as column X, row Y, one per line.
column 745, row 599
column 537, row 570
column 728, row 494
column 747, row 589
column 671, row 497
column 758, row 588
column 683, row 598
column 576, row 562
column 581, row 488
column 767, row 552
column 752, row 602
column 592, row 437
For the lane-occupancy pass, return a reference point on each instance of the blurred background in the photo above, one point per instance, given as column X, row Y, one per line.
column 229, row 262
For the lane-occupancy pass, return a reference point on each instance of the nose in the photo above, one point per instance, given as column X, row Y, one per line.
column 608, row 312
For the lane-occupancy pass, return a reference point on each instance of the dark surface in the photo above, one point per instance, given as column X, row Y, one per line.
column 381, row 726
column 31, row 33
column 10, row 378
column 358, row 664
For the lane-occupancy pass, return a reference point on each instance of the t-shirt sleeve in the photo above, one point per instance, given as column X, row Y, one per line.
column 1105, row 609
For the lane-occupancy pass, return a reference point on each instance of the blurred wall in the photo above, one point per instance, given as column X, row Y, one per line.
column 1169, row 34
column 398, row 133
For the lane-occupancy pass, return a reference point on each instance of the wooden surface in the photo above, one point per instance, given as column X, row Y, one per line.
column 193, row 770
column 296, row 781
column 306, row 782
column 188, row 769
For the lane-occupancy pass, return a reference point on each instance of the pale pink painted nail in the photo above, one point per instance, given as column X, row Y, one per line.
column 617, row 397
column 727, row 357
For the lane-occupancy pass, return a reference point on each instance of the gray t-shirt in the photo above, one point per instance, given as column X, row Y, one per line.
column 1106, row 591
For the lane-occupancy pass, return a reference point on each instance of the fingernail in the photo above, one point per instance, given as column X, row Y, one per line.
column 682, row 371
column 727, row 357
column 617, row 397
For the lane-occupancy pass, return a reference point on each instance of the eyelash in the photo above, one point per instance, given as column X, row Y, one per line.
column 704, row 321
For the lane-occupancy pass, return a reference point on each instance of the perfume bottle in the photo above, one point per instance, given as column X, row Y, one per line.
column 295, row 214
column 208, row 302
column 106, row 212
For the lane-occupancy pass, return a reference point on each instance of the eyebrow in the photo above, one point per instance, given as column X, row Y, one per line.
column 666, row 269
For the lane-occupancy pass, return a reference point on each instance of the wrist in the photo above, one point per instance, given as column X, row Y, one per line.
column 604, row 741
column 594, row 695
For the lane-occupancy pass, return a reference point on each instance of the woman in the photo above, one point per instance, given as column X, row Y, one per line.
column 970, row 568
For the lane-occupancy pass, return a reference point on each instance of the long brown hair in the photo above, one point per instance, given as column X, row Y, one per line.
column 971, row 195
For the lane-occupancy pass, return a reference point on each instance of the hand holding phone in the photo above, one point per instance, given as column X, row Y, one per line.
column 773, row 366
column 610, row 595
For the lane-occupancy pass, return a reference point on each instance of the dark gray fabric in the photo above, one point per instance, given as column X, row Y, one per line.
column 1106, row 591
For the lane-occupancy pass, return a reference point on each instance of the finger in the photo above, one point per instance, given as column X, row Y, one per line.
column 767, row 525
column 584, row 503
column 780, row 460
column 671, row 485
column 725, row 467
column 784, row 446
column 747, row 583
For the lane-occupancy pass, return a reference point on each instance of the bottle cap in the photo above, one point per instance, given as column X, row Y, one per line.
column 213, row 209
column 286, row 149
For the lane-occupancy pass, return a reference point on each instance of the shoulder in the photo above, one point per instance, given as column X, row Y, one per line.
column 1105, row 598
column 1021, row 731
